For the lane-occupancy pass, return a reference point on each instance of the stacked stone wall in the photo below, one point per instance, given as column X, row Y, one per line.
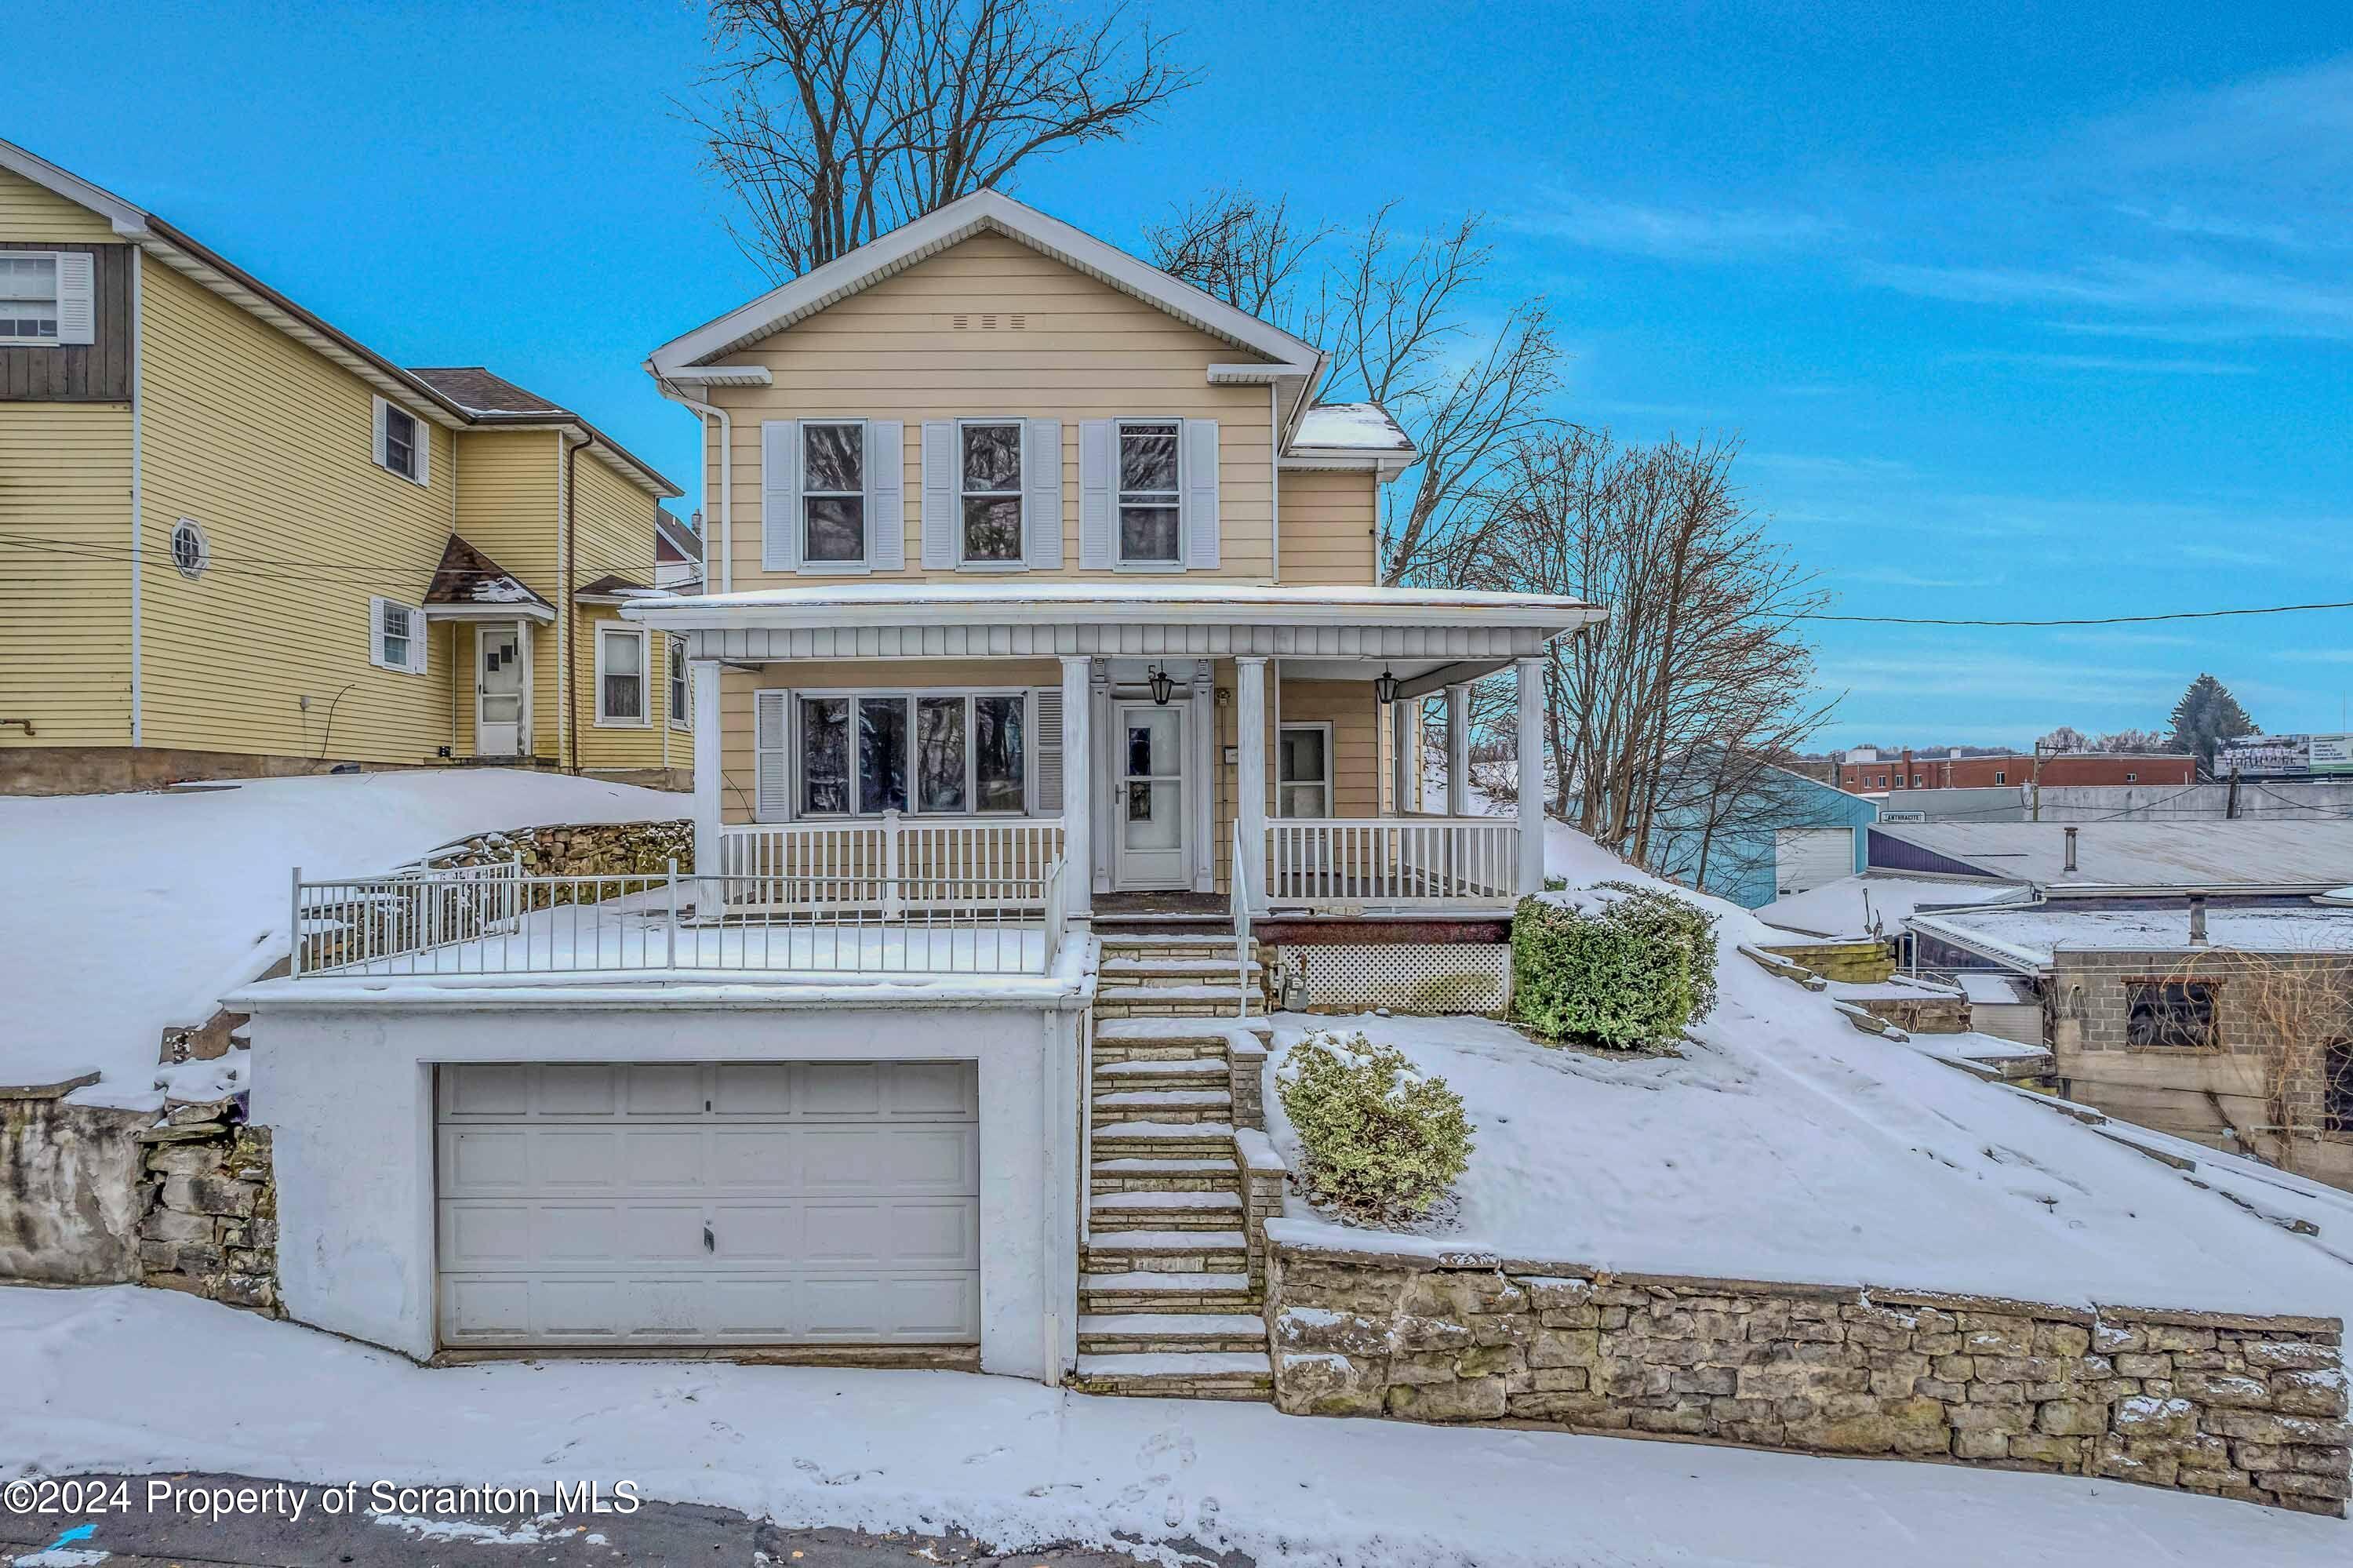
column 581, row 849
column 210, row 1220
column 2246, row 1407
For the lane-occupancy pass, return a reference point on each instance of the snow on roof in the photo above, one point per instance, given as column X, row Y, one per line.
column 1993, row 988
column 1856, row 907
column 2263, row 853
column 2033, row 935
column 1155, row 599
column 1357, row 427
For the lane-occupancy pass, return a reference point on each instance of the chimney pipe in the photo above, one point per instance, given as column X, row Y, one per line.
column 2197, row 919
column 2071, row 851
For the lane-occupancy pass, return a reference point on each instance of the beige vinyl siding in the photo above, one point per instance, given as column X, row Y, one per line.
column 65, row 640
column 34, row 213
column 614, row 520
column 507, row 508
column 1355, row 715
column 1085, row 352
column 1330, row 528
column 269, row 447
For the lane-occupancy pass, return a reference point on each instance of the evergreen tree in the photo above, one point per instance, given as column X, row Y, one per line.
column 2207, row 714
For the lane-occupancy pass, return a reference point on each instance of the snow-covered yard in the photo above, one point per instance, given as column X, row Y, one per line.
column 129, row 1380
column 133, row 913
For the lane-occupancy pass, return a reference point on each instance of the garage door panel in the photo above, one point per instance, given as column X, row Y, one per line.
column 575, row 1214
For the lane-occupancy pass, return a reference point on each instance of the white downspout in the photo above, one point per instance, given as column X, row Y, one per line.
column 138, row 521
column 709, row 412
column 1274, row 476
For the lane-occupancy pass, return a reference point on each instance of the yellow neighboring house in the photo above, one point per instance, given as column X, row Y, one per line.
column 239, row 542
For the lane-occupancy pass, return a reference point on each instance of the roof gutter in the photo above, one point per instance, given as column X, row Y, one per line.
column 706, row 412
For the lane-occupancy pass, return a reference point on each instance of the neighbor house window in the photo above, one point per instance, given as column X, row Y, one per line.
column 2337, row 1088
column 402, row 444
column 989, row 464
column 1303, row 771
column 833, row 492
column 2132, row 778
column 191, row 552
column 937, row 753
column 681, row 694
column 2169, row 1015
column 395, row 634
column 28, row 299
column 1999, row 777
column 620, row 676
column 1147, row 492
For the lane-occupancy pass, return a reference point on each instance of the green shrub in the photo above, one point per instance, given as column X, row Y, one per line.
column 1615, row 964
column 1380, row 1141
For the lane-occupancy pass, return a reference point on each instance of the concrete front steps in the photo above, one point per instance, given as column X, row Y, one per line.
column 1167, row 1295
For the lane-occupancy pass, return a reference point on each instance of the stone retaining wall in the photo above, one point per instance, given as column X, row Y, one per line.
column 581, row 849
column 2243, row 1407
column 211, row 1223
column 68, row 1187
column 1864, row 963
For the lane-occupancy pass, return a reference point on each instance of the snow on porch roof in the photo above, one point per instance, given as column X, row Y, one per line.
column 925, row 603
column 1350, row 427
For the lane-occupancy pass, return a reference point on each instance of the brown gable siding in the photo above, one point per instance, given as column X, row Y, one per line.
column 96, row 372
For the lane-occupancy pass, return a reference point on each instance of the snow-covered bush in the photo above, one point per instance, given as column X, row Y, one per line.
column 1614, row 964
column 1377, row 1140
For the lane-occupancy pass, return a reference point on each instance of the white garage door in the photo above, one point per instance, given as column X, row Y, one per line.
column 832, row 1202
column 1808, row 857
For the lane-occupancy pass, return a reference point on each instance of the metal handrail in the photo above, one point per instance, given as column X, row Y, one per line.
column 1239, row 892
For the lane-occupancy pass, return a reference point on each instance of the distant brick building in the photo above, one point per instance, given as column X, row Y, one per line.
column 1865, row 772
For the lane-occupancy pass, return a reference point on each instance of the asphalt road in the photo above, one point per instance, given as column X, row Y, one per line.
column 261, row 1529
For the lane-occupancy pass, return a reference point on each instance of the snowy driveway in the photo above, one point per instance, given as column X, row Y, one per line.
column 141, row 1381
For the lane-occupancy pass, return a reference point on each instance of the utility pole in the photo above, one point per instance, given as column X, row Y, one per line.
column 2035, row 791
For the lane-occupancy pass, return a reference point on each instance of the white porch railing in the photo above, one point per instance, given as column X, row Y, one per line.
column 495, row 921
column 1393, row 862
column 889, row 863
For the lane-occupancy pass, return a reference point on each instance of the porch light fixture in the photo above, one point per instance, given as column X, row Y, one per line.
column 1385, row 686
column 1164, row 686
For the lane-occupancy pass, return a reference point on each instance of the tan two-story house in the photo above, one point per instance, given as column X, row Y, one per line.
column 240, row 542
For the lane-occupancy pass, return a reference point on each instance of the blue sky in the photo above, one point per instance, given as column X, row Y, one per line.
column 2019, row 310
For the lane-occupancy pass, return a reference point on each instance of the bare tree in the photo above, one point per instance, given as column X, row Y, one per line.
column 837, row 121
column 2133, row 742
column 1240, row 248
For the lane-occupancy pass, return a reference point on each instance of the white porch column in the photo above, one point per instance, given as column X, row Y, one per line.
column 1401, row 765
column 1457, row 750
column 1532, row 779
column 1250, row 772
column 702, row 675
column 1078, row 800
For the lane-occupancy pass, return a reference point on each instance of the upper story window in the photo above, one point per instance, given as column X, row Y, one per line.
column 401, row 443
column 989, row 489
column 28, row 299
column 1148, row 493
column 833, row 492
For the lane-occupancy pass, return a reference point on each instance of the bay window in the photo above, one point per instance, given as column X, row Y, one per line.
column 932, row 752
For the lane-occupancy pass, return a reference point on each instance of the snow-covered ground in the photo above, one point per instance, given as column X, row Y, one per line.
column 130, row 914
column 129, row 1380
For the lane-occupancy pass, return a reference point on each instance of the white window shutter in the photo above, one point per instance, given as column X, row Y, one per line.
column 76, row 297
column 1042, row 494
column 376, row 615
column 1098, row 463
column 421, row 638
column 424, row 439
column 886, row 495
column 939, row 495
column 771, row 760
column 1046, row 748
column 1200, row 500
column 381, row 407
column 780, row 495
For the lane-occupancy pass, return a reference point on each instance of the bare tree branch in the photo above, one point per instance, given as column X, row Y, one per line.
column 1238, row 247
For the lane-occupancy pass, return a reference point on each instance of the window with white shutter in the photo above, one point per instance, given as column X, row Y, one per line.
column 771, row 762
column 404, row 443
column 396, row 636
column 28, row 299
column 1046, row 705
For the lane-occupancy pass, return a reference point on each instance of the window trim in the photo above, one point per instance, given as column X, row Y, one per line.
column 195, row 530
column 678, row 681
column 421, row 448
column 1019, row 560
column 606, row 630
column 1329, row 782
column 1119, row 493
column 377, row 605
column 55, row 339
column 864, row 494
column 798, row 789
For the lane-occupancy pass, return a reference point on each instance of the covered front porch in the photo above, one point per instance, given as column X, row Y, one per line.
column 914, row 746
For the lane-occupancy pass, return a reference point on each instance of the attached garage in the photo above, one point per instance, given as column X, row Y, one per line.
column 683, row 1203
column 1806, row 858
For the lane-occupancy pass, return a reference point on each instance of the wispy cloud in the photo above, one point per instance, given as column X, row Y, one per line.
column 2226, row 300
column 2102, row 362
column 1897, row 577
column 1677, row 233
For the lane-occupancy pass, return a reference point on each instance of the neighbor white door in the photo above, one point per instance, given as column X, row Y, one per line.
column 699, row 1203
column 1809, row 857
column 1149, row 806
column 498, row 689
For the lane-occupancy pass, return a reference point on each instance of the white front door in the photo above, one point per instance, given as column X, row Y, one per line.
column 1149, row 808
column 498, row 689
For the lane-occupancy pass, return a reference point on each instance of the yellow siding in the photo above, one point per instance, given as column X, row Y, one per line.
column 1088, row 352
column 32, row 213
column 613, row 521
column 1330, row 528
column 508, row 486
column 269, row 447
column 65, row 640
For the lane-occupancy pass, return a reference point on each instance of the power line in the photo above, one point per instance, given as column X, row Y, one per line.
column 2074, row 620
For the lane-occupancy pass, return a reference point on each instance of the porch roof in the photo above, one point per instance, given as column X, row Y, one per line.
column 469, row 586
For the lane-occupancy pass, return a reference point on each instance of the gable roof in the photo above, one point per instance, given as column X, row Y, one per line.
column 985, row 211
column 466, row 579
column 473, row 389
column 678, row 537
column 212, row 270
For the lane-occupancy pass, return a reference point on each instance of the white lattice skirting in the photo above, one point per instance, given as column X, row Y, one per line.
column 1418, row 977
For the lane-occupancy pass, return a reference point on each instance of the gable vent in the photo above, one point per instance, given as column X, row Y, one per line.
column 989, row 321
